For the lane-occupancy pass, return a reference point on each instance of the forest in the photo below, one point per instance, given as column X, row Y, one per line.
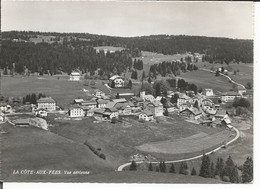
column 69, row 51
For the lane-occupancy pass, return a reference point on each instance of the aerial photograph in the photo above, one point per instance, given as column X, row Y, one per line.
column 127, row 92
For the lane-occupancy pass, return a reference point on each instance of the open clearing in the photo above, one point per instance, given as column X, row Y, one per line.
column 207, row 80
column 109, row 48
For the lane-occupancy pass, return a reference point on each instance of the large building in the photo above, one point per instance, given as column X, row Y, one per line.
column 46, row 103
column 156, row 108
column 229, row 96
column 75, row 76
column 118, row 80
column 76, row 111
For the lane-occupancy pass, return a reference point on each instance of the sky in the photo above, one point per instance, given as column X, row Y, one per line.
column 214, row 19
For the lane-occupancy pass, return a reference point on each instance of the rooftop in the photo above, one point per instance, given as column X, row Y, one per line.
column 46, row 100
column 147, row 112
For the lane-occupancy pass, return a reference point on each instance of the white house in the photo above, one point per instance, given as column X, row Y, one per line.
column 40, row 112
column 2, row 116
column 229, row 96
column 156, row 108
column 4, row 107
column 98, row 93
column 102, row 103
column 46, row 103
column 118, row 80
column 241, row 90
column 209, row 92
column 146, row 97
column 76, row 111
column 75, row 76
column 146, row 115
column 183, row 99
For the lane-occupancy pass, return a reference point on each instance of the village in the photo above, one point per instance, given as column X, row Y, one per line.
column 205, row 108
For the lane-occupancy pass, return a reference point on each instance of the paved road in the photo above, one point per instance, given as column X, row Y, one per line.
column 121, row 167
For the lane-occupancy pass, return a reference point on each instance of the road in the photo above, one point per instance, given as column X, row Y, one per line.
column 121, row 167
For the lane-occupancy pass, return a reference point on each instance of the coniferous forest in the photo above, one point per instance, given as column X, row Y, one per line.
column 69, row 51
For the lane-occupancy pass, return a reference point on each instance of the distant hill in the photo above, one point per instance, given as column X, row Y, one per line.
column 68, row 51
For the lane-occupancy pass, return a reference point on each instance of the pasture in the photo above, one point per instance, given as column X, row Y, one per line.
column 207, row 80
column 62, row 90
column 109, row 48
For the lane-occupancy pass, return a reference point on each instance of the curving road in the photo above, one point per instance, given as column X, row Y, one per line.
column 121, row 167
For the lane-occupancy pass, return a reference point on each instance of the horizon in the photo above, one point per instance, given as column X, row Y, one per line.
column 131, row 19
column 44, row 32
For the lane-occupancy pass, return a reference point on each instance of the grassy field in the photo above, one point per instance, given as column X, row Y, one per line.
column 244, row 75
column 110, row 48
column 207, row 80
column 35, row 149
column 62, row 90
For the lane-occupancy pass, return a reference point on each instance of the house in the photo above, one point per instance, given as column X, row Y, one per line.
column 183, row 98
column 226, row 123
column 98, row 114
column 101, row 103
column 229, row 96
column 241, row 90
column 118, row 81
column 76, row 111
column 208, row 92
column 78, row 101
column 46, row 103
column 191, row 113
column 146, row 115
column 75, row 76
column 89, row 104
column 221, row 114
column 137, row 101
column 40, row 112
column 4, row 107
column 110, row 113
column 155, row 107
column 98, row 93
column 2, row 116
column 145, row 97
column 90, row 112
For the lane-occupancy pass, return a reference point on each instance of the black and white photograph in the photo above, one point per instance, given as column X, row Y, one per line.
column 127, row 92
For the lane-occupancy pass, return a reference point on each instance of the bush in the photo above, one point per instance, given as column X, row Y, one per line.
column 102, row 156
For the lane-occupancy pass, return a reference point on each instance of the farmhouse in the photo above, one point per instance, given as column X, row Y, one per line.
column 102, row 103
column 221, row 114
column 240, row 90
column 2, row 116
column 40, row 112
column 98, row 93
column 75, row 76
column 209, row 92
column 229, row 96
column 46, row 103
column 76, row 111
column 4, row 107
column 191, row 113
column 118, row 81
column 183, row 98
column 155, row 107
column 145, row 97
column 226, row 123
column 146, row 115
column 89, row 104
column 110, row 113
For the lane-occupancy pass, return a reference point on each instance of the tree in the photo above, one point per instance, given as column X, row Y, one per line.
column 217, row 73
column 242, row 102
column 149, row 80
column 249, row 85
column 113, row 120
column 212, row 170
column 113, row 84
column 150, row 168
column 219, row 167
column 172, row 169
column 247, row 170
column 196, row 104
column 205, row 167
column 183, row 168
column 234, row 177
column 117, row 96
column 200, row 90
column 166, row 113
column 228, row 169
column 174, row 98
column 193, row 172
column 133, row 166
column 130, row 84
column 157, row 90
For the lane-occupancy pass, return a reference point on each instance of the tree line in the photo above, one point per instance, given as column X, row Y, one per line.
column 226, row 171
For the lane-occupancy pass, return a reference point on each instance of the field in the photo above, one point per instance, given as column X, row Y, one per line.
column 244, row 75
column 109, row 48
column 35, row 149
column 207, row 80
column 62, row 90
